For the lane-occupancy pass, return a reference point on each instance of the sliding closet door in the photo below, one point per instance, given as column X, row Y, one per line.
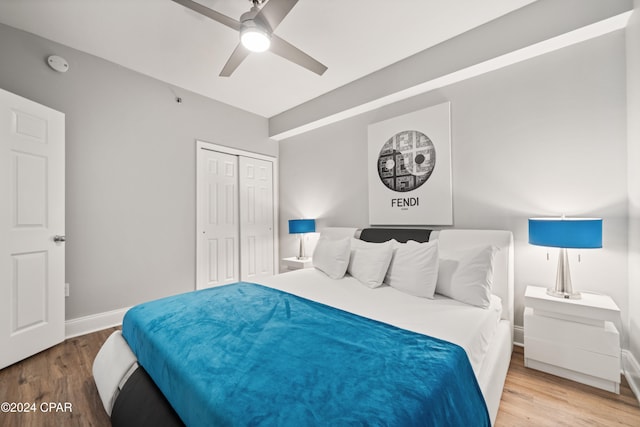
column 256, row 218
column 217, row 219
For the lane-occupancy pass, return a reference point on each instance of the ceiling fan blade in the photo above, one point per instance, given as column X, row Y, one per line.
column 210, row 13
column 288, row 51
column 236, row 58
column 274, row 11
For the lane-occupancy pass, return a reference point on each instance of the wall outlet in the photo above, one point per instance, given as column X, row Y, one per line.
column 66, row 289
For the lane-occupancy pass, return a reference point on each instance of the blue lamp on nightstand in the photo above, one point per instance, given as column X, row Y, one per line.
column 565, row 233
column 301, row 227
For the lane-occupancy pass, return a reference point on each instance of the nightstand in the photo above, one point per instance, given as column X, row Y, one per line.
column 574, row 339
column 293, row 263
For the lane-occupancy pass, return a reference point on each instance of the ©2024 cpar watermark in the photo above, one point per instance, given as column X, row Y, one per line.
column 45, row 407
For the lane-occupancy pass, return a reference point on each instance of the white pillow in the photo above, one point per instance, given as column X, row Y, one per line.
column 369, row 261
column 468, row 276
column 332, row 256
column 414, row 268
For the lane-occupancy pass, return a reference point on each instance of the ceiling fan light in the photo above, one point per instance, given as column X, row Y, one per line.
column 254, row 38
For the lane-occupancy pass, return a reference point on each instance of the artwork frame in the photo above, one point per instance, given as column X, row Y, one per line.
column 409, row 168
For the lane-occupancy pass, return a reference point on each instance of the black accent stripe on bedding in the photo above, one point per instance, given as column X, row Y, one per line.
column 402, row 235
column 140, row 404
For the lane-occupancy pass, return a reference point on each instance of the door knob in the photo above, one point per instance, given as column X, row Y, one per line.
column 59, row 239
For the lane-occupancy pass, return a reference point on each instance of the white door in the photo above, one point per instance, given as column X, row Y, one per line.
column 217, row 219
column 256, row 218
column 32, row 213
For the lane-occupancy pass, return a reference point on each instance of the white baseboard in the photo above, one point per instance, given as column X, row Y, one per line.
column 95, row 322
column 518, row 335
column 631, row 369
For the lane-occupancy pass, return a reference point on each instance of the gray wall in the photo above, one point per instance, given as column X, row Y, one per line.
column 542, row 137
column 633, row 130
column 130, row 159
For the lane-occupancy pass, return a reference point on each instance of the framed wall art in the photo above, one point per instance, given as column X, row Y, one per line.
column 410, row 168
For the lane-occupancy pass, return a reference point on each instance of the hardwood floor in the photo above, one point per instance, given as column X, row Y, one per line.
column 533, row 398
column 62, row 375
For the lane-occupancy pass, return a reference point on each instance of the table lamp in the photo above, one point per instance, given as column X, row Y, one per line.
column 565, row 233
column 301, row 227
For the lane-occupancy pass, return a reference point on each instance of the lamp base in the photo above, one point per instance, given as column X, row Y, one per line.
column 563, row 287
column 565, row 295
column 301, row 254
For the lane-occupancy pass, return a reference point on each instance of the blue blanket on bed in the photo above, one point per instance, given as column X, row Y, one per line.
column 248, row 355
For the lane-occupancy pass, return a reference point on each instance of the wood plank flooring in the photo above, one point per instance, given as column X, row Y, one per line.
column 533, row 398
column 62, row 374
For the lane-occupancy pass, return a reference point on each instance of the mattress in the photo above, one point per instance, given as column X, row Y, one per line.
column 470, row 327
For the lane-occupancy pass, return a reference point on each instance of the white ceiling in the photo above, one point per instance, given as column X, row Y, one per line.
column 164, row 40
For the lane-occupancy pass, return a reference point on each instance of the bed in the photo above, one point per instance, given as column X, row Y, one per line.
column 352, row 384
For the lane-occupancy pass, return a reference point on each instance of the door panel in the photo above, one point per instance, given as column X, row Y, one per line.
column 29, row 296
column 217, row 219
column 31, row 263
column 29, row 190
column 230, row 273
column 257, row 219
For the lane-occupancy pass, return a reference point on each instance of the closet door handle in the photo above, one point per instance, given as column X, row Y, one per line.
column 59, row 239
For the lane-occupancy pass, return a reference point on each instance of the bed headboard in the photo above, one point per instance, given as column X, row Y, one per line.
column 459, row 239
column 402, row 235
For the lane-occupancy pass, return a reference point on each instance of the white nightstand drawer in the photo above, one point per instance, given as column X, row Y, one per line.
column 598, row 339
column 573, row 359
column 294, row 263
column 590, row 307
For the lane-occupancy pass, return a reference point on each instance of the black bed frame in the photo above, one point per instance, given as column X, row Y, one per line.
column 140, row 403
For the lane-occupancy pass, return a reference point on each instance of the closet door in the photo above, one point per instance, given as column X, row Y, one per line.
column 217, row 219
column 256, row 218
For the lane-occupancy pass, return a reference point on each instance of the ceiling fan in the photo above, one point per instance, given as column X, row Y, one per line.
column 256, row 33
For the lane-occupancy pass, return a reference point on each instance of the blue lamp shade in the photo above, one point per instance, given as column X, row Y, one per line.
column 577, row 233
column 299, row 226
